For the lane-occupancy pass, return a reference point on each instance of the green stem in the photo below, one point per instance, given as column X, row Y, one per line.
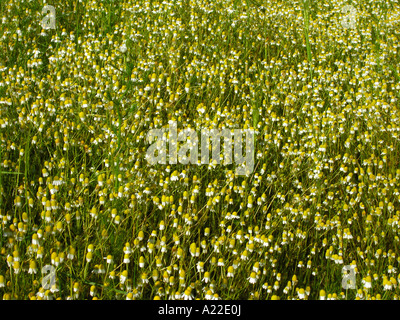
column 26, row 178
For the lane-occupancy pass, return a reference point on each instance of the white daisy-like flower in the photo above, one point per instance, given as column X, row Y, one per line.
column 253, row 278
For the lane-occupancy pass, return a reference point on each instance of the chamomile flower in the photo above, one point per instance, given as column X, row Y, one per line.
column 123, row 276
column 253, row 278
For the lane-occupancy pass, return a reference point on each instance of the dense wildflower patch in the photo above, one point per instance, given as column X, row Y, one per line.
column 77, row 194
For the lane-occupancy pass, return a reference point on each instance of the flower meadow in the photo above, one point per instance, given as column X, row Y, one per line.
column 84, row 215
